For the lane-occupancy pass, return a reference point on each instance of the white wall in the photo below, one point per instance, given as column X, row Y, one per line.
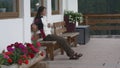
column 72, row 5
column 18, row 30
column 11, row 30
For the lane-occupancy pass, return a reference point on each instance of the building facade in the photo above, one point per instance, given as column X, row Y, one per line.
column 15, row 24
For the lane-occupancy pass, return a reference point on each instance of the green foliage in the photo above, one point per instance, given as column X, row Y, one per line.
column 1, row 60
column 74, row 16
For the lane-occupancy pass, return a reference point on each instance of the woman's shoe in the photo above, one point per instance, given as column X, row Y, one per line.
column 78, row 55
column 74, row 58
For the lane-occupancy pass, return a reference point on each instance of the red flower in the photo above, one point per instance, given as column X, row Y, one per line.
column 38, row 44
column 31, row 55
column 42, row 54
column 24, row 56
column 34, row 49
column 10, row 60
column 26, row 61
column 20, row 61
column 8, row 53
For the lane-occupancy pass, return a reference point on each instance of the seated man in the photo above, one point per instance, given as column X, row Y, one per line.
column 38, row 25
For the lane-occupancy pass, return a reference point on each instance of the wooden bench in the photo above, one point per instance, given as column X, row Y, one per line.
column 60, row 30
column 51, row 46
column 103, row 21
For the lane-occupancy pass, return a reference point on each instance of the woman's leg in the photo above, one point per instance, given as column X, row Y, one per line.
column 62, row 42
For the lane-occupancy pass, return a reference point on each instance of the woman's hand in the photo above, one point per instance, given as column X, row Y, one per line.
column 50, row 25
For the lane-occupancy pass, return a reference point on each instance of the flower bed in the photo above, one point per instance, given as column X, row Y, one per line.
column 20, row 55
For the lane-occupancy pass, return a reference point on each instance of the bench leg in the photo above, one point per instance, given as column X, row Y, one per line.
column 52, row 53
column 76, row 40
column 69, row 40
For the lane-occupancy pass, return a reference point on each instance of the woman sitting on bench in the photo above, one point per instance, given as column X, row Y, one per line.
column 38, row 24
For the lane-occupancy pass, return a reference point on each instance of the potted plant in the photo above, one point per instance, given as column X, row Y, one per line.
column 20, row 55
column 72, row 18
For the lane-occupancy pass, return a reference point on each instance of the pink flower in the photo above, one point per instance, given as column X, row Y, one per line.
column 38, row 44
column 34, row 49
column 6, row 56
column 10, row 48
column 20, row 61
column 32, row 38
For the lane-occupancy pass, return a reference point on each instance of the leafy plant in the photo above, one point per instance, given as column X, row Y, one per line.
column 19, row 53
column 74, row 16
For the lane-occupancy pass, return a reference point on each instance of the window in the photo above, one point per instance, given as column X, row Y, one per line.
column 9, row 9
column 34, row 6
column 55, row 6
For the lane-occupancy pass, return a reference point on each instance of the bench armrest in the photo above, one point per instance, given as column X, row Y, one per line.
column 48, row 42
column 72, row 34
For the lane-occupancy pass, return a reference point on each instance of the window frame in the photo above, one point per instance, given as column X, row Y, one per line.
column 54, row 12
column 34, row 13
column 6, row 15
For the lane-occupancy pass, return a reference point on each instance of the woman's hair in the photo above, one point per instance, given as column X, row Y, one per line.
column 40, row 10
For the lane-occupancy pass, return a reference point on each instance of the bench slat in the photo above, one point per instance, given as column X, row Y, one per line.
column 48, row 42
column 70, row 34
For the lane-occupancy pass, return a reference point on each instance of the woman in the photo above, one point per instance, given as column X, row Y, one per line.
column 38, row 23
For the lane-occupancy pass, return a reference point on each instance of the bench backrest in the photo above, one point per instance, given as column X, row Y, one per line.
column 103, row 21
column 59, row 28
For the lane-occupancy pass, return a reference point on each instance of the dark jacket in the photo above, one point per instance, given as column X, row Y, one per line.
column 39, row 23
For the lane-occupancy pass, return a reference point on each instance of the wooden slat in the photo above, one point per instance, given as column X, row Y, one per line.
column 63, row 23
column 57, row 24
column 102, row 15
column 70, row 34
column 33, row 14
column 59, row 27
column 58, row 31
column 104, row 21
column 93, row 19
column 105, row 28
column 48, row 42
column 8, row 15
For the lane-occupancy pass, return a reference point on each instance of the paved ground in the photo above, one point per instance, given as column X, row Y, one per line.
column 98, row 53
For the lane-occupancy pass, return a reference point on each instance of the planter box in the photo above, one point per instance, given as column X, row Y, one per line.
column 31, row 63
column 70, row 26
column 41, row 65
column 11, row 66
column 84, row 36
